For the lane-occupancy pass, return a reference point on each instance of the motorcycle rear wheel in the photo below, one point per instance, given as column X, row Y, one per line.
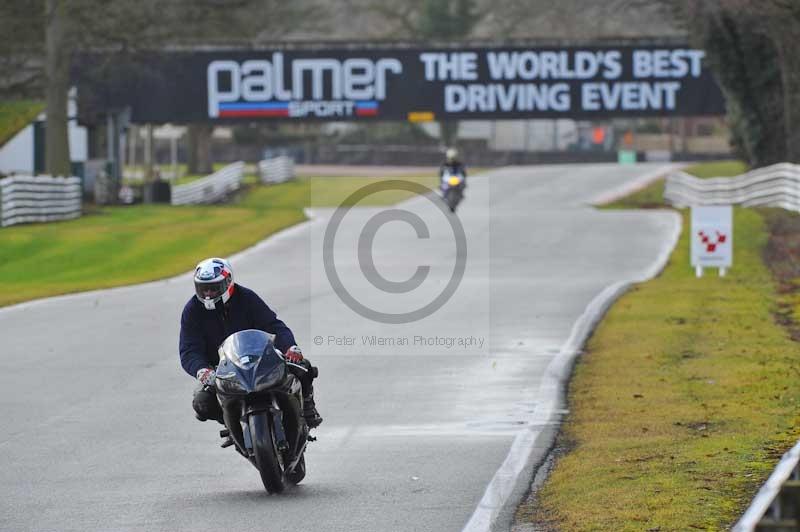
column 266, row 453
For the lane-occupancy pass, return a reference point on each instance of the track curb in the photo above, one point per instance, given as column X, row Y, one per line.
column 533, row 445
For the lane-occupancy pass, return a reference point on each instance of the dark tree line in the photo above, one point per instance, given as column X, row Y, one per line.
column 751, row 45
column 38, row 40
column 752, row 48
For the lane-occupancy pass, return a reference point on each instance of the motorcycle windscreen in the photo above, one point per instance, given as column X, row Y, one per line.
column 244, row 348
column 249, row 363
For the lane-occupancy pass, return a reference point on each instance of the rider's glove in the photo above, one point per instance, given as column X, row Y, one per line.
column 206, row 376
column 294, row 354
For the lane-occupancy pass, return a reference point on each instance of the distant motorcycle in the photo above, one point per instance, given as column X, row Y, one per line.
column 262, row 405
column 452, row 189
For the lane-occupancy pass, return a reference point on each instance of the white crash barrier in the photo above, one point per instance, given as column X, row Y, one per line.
column 774, row 186
column 276, row 170
column 212, row 188
column 25, row 199
column 769, row 508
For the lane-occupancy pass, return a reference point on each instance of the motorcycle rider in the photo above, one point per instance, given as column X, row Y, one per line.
column 453, row 166
column 218, row 309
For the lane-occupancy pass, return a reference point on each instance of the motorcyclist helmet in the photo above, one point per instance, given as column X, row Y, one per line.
column 451, row 155
column 213, row 282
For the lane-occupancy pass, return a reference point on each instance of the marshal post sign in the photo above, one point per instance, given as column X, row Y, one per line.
column 712, row 238
column 394, row 84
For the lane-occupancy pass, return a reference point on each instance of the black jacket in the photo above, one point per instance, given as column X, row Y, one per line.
column 456, row 167
column 202, row 331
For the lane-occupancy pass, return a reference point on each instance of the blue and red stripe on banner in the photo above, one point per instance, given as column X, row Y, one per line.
column 281, row 109
column 237, row 110
column 367, row 108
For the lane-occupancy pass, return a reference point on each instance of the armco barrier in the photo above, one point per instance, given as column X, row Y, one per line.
column 774, row 186
column 25, row 199
column 210, row 189
column 276, row 170
column 776, row 506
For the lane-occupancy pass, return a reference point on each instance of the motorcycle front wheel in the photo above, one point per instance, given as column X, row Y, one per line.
column 268, row 459
column 451, row 198
column 299, row 472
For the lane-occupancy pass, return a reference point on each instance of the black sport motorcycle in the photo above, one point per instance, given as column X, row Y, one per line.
column 452, row 188
column 262, row 406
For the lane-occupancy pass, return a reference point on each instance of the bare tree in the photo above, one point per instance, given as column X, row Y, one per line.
column 751, row 46
column 783, row 23
column 245, row 23
column 70, row 25
column 576, row 19
column 57, row 84
column 46, row 39
column 461, row 20
column 427, row 20
column 21, row 49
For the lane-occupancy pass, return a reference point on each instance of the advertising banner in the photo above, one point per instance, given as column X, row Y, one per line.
column 404, row 84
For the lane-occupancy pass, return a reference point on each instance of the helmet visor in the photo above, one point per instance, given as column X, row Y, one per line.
column 212, row 290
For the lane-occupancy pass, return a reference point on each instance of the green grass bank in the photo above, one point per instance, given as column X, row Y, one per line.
column 684, row 400
column 115, row 246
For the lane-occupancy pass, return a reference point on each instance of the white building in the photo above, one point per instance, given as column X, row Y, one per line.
column 17, row 155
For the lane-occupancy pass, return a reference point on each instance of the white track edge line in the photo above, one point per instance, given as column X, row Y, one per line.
column 283, row 233
column 551, row 389
column 635, row 185
column 309, row 212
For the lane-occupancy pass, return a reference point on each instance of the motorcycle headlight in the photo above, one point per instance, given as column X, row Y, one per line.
column 271, row 379
column 454, row 181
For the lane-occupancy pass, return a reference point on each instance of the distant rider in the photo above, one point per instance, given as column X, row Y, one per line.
column 219, row 309
column 454, row 166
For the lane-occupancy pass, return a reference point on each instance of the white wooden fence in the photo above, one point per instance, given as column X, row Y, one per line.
column 25, row 199
column 212, row 188
column 276, row 170
column 774, row 186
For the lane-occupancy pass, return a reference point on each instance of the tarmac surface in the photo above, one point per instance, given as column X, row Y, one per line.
column 99, row 431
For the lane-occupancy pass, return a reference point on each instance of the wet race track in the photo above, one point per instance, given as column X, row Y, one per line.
column 419, row 415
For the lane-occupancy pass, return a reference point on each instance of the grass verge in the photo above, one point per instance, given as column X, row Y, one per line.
column 114, row 246
column 782, row 253
column 683, row 402
column 652, row 196
column 15, row 115
column 334, row 191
